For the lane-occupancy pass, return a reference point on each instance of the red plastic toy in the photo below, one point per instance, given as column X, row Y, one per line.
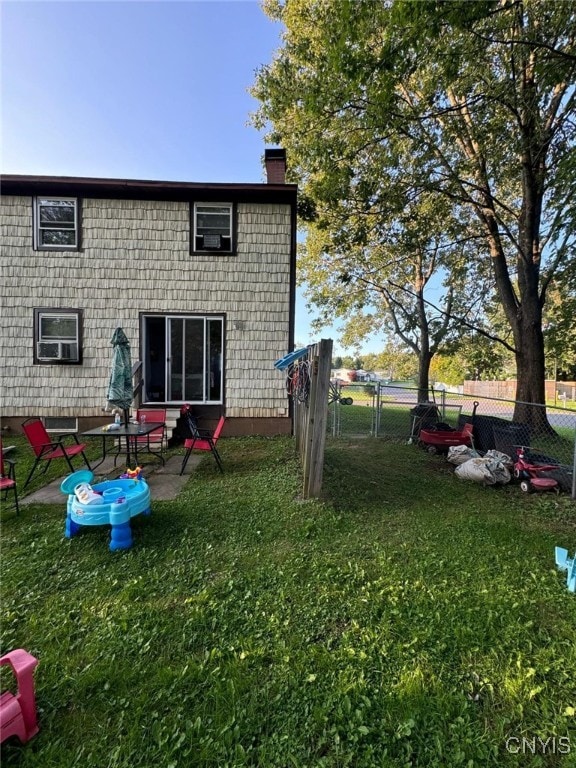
column 528, row 473
column 438, row 441
column 18, row 712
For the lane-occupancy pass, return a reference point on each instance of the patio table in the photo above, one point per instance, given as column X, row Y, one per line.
column 128, row 431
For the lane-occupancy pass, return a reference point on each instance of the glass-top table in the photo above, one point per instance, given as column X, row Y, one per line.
column 131, row 432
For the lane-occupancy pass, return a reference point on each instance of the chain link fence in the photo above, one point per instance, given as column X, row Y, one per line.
column 392, row 412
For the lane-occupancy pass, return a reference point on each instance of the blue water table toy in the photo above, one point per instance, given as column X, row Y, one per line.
column 568, row 564
column 111, row 502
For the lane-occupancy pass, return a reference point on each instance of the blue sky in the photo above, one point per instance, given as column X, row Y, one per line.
column 136, row 89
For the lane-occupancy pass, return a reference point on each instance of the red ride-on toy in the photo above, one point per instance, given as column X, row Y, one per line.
column 528, row 473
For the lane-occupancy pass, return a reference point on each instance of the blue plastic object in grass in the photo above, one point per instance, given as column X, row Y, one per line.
column 291, row 357
column 112, row 502
column 566, row 563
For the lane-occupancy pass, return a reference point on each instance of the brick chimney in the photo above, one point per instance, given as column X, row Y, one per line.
column 275, row 162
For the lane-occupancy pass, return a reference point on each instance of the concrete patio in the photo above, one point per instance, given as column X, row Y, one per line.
column 165, row 482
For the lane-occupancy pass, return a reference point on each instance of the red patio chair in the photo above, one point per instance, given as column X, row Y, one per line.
column 203, row 440
column 47, row 450
column 156, row 438
column 8, row 478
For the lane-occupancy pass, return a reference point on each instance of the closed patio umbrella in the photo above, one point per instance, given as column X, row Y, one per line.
column 120, row 393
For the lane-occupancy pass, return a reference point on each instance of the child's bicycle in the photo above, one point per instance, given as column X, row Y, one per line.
column 335, row 395
column 528, row 473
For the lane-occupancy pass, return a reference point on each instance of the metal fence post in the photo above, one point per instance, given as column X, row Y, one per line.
column 377, row 419
column 574, row 469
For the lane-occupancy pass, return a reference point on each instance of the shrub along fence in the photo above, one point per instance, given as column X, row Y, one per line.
column 392, row 412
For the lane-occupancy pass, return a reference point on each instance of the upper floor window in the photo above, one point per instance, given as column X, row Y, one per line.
column 213, row 227
column 56, row 223
column 57, row 335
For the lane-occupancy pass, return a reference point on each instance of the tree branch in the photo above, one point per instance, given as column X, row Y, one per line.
column 459, row 319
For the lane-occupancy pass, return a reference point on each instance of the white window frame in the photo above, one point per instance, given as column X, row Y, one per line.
column 54, row 349
column 204, row 208
column 71, row 420
column 169, row 369
column 39, row 227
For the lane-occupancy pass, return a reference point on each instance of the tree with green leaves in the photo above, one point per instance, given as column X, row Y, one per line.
column 486, row 355
column 375, row 271
column 560, row 328
column 470, row 103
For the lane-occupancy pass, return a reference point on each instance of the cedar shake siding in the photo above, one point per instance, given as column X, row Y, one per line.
column 135, row 259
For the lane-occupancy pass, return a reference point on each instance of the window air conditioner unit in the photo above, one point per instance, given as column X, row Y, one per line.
column 57, row 350
column 212, row 242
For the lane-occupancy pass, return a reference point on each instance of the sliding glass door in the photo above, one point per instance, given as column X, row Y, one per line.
column 192, row 350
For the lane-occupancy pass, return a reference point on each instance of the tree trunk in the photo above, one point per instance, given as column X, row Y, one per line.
column 424, row 376
column 524, row 313
column 530, row 388
column 424, row 355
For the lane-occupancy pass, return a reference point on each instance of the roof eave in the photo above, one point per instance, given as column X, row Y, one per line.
column 141, row 189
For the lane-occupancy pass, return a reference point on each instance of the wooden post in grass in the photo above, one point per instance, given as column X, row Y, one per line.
column 300, row 423
column 313, row 431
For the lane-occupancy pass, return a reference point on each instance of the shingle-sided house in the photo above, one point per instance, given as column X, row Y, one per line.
column 200, row 276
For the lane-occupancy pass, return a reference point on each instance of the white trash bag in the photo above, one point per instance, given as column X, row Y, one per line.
column 486, row 471
column 498, row 456
column 458, row 454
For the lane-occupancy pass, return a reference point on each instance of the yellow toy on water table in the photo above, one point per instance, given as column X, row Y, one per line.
column 132, row 474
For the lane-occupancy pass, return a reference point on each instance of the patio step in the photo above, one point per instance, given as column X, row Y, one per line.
column 172, row 416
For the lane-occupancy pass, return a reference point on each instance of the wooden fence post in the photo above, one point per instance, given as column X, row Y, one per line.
column 309, row 387
column 317, row 407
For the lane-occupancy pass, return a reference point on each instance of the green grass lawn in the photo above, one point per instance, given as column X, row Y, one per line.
column 407, row 619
